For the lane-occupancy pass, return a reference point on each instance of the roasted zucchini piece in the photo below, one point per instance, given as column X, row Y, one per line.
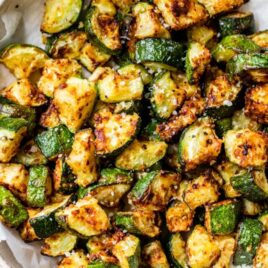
column 23, row 92
column 114, row 132
column 159, row 50
column 39, row 186
column 246, row 148
column 55, row 141
column 22, row 59
column 12, row 212
column 12, row 131
column 252, row 184
column 154, row 255
column 222, row 217
column 147, row 22
column 202, row 34
column 263, row 218
column 241, row 121
column 127, row 251
column 255, row 65
column 177, row 251
column 140, row 222
column 122, row 85
column 103, row 30
column 236, row 23
column 82, row 160
column 199, row 144
column 30, row 154
column 44, row 223
column 222, row 126
column 256, row 103
column 251, row 208
column 179, row 217
column 75, row 259
column 84, row 218
column 197, row 59
column 232, row 45
column 50, row 118
column 55, row 73
column 201, row 248
column 201, row 191
column 140, row 155
column 58, row 244
column 166, row 95
column 261, row 258
column 154, row 190
column 249, row 237
column 60, row 15
column 261, row 39
column 180, row 16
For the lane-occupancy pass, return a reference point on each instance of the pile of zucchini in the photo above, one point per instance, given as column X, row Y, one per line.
column 139, row 137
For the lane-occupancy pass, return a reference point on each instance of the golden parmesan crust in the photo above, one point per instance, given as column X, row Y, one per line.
column 77, row 259
column 50, row 118
column 261, row 258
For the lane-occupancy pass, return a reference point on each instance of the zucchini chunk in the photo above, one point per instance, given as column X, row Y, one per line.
column 79, row 96
column 232, row 45
column 179, row 217
column 261, row 259
column 50, row 118
column 114, row 132
column 236, row 23
column 147, row 22
column 54, row 141
column 23, row 92
column 63, row 178
column 249, row 237
column 159, row 50
column 201, row 248
column 202, row 34
column 58, row 244
column 154, row 190
column 180, row 16
column 140, row 222
column 44, row 223
column 61, row 15
column 39, row 186
column 12, row 212
column 177, row 251
column 84, row 218
column 75, row 259
column 261, row 39
column 199, row 144
column 15, row 178
column 166, row 95
column 91, row 57
column 246, row 148
column 263, row 218
column 127, row 251
column 22, row 59
column 256, row 104
column 222, row 94
column 140, row 155
column 12, row 131
column 187, row 115
column 154, row 255
column 30, row 154
column 252, row 184
column 68, row 45
column 241, row 121
column 26, row 231
column 251, row 208
column 122, row 85
column 55, row 73
column 227, row 245
column 222, row 217
column 103, row 30
column 255, row 65
column 82, row 160
column 197, row 59
column 222, row 126
column 200, row 191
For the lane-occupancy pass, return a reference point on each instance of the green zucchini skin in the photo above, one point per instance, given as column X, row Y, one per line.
column 101, row 264
column 246, row 185
column 55, row 141
column 37, row 186
column 236, row 23
column 11, row 209
column 222, row 126
column 249, row 236
column 159, row 50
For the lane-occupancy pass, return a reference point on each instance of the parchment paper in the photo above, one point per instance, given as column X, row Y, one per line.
column 19, row 22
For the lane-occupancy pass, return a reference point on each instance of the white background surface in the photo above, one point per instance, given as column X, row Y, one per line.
column 21, row 24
